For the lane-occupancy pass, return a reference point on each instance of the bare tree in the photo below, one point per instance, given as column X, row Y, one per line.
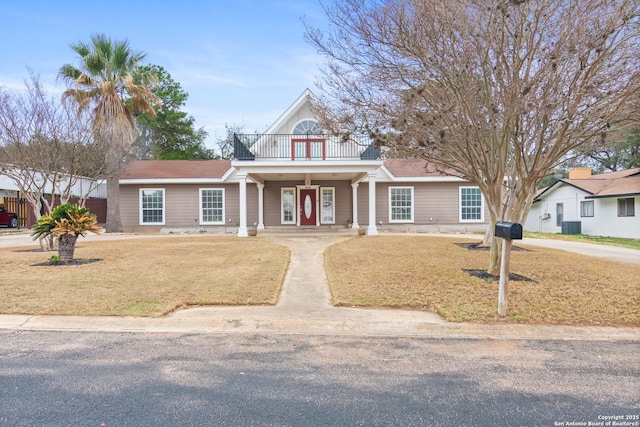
column 225, row 144
column 46, row 148
column 500, row 91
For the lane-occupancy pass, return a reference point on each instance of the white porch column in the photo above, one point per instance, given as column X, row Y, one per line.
column 242, row 229
column 260, row 206
column 372, row 230
column 355, row 205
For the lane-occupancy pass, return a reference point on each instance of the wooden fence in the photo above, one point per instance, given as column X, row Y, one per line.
column 27, row 218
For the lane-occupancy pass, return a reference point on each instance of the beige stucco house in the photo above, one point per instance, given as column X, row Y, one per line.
column 295, row 175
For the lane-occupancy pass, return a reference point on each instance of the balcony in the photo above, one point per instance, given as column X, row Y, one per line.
column 303, row 147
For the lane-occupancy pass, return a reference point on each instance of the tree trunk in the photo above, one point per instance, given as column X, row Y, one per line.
column 47, row 243
column 493, row 196
column 66, row 246
column 495, row 257
column 114, row 223
column 494, row 244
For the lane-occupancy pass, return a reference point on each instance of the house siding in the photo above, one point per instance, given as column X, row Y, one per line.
column 435, row 203
column 272, row 199
column 570, row 198
column 604, row 222
column 130, row 207
column 182, row 204
column 363, row 205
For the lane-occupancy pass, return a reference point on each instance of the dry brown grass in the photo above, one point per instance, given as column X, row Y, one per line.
column 154, row 276
column 426, row 273
column 144, row 277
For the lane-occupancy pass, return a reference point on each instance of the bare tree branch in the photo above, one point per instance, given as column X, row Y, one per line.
column 499, row 91
column 46, row 148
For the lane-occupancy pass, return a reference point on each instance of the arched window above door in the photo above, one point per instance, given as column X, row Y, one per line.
column 307, row 127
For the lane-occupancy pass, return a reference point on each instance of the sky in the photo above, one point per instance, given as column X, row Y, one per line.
column 242, row 62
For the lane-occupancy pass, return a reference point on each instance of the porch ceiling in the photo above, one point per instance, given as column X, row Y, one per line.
column 315, row 176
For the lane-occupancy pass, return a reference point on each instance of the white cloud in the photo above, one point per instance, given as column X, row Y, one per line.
column 197, row 76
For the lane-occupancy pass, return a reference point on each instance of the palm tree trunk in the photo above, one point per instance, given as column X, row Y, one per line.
column 66, row 246
column 114, row 223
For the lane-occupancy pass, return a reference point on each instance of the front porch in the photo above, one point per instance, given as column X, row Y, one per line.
column 305, row 179
column 311, row 195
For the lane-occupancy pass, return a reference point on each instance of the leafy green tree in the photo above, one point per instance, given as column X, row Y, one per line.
column 624, row 154
column 170, row 133
column 103, row 83
column 553, row 176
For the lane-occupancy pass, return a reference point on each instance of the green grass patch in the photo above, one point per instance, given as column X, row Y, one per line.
column 599, row 240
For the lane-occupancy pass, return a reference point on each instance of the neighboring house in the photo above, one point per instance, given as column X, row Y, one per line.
column 294, row 175
column 606, row 204
column 95, row 193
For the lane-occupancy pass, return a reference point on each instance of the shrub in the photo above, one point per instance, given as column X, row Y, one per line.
column 66, row 219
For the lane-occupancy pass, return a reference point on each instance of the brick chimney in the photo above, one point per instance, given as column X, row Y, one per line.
column 579, row 173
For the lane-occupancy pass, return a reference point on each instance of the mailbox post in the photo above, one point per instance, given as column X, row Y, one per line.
column 508, row 231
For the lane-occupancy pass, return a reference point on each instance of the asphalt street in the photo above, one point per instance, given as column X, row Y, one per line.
column 304, row 362
column 124, row 379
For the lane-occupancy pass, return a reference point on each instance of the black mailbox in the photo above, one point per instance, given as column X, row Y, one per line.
column 508, row 230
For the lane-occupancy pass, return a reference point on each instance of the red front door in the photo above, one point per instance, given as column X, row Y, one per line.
column 308, row 206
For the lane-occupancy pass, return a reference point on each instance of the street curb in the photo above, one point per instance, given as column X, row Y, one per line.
column 263, row 325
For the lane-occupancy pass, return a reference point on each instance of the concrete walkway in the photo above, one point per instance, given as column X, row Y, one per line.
column 304, row 307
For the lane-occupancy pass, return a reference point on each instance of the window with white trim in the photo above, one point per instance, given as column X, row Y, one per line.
column 152, row 206
column 586, row 208
column 626, row 207
column 471, row 205
column 400, row 204
column 328, row 205
column 212, row 206
column 288, row 199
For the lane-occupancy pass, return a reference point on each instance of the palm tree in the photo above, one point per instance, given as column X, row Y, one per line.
column 104, row 82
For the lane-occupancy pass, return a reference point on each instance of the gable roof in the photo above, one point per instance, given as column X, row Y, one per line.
column 610, row 184
column 175, row 169
column 306, row 96
column 626, row 185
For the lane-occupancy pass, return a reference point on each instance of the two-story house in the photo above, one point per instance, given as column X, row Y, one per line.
column 296, row 175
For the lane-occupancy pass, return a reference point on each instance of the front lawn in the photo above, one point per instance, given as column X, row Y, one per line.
column 427, row 273
column 143, row 277
column 154, row 276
